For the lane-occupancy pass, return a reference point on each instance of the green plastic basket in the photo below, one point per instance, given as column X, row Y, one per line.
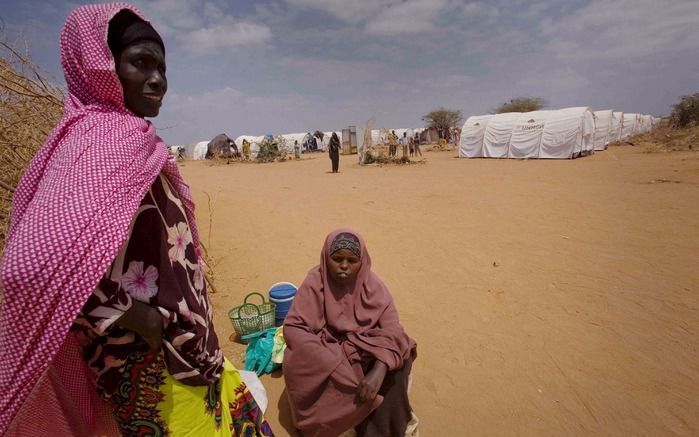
column 249, row 317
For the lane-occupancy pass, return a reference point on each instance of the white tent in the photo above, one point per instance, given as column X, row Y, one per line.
column 637, row 128
column 254, row 143
column 616, row 126
column 639, row 124
column 496, row 139
column 563, row 133
column 289, row 140
column 568, row 133
column 471, row 141
column 525, row 141
column 628, row 127
column 196, row 151
column 603, row 127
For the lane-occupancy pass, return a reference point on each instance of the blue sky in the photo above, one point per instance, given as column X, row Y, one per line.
column 281, row 66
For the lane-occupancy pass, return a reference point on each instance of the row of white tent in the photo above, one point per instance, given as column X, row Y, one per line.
column 378, row 136
column 552, row 134
column 287, row 141
column 197, row 151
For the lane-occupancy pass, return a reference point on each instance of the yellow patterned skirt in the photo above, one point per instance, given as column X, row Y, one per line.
column 150, row 402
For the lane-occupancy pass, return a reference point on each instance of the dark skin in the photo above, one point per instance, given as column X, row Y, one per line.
column 343, row 267
column 145, row 321
column 141, row 70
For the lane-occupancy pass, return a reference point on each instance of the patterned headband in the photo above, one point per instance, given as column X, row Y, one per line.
column 346, row 241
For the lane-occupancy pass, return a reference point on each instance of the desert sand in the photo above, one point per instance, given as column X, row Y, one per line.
column 547, row 298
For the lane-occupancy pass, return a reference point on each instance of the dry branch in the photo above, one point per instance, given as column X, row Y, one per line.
column 29, row 108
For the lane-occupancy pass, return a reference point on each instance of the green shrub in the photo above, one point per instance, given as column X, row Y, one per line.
column 686, row 112
column 521, row 104
column 272, row 149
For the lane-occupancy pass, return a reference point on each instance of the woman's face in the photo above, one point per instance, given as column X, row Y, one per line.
column 141, row 71
column 343, row 266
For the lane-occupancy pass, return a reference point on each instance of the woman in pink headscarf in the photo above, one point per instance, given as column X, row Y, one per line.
column 106, row 326
column 348, row 359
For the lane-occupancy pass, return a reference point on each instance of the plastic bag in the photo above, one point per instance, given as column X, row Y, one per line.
column 258, row 354
column 279, row 346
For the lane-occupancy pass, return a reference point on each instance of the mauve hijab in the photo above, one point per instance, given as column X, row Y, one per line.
column 330, row 330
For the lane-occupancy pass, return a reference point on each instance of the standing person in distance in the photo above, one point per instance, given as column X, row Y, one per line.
column 334, row 152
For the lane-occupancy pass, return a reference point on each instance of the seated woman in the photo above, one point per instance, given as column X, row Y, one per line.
column 104, row 292
column 348, row 359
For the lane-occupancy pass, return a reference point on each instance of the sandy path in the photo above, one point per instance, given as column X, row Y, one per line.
column 546, row 297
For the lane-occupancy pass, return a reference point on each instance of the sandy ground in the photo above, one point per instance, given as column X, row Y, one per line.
column 547, row 298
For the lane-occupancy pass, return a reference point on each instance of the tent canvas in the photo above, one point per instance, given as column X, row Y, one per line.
column 472, row 132
column 196, row 151
column 616, row 127
column 254, row 143
column 496, row 140
column 603, row 127
column 568, row 133
column 563, row 134
column 629, row 125
column 525, row 141
column 289, row 140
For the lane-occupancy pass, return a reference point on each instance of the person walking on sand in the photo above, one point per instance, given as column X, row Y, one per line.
column 334, row 152
column 297, row 150
column 106, row 325
column 411, row 146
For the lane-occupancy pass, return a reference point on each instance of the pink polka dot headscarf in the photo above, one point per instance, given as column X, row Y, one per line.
column 73, row 206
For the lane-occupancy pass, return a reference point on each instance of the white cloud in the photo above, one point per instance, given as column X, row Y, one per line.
column 352, row 12
column 188, row 117
column 548, row 79
column 406, row 17
column 624, row 29
column 382, row 17
column 475, row 9
column 168, row 15
column 339, row 76
column 227, row 34
column 202, row 28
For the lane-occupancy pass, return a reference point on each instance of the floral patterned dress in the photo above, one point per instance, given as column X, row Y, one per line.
column 187, row 388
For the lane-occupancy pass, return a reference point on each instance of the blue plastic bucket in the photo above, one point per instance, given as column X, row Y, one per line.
column 282, row 294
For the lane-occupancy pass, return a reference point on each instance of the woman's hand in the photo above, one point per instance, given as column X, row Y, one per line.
column 370, row 385
column 145, row 321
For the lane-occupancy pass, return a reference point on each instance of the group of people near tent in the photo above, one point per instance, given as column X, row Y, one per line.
column 548, row 134
column 410, row 144
column 105, row 322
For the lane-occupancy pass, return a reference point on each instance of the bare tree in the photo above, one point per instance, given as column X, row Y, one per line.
column 443, row 120
column 521, row 104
